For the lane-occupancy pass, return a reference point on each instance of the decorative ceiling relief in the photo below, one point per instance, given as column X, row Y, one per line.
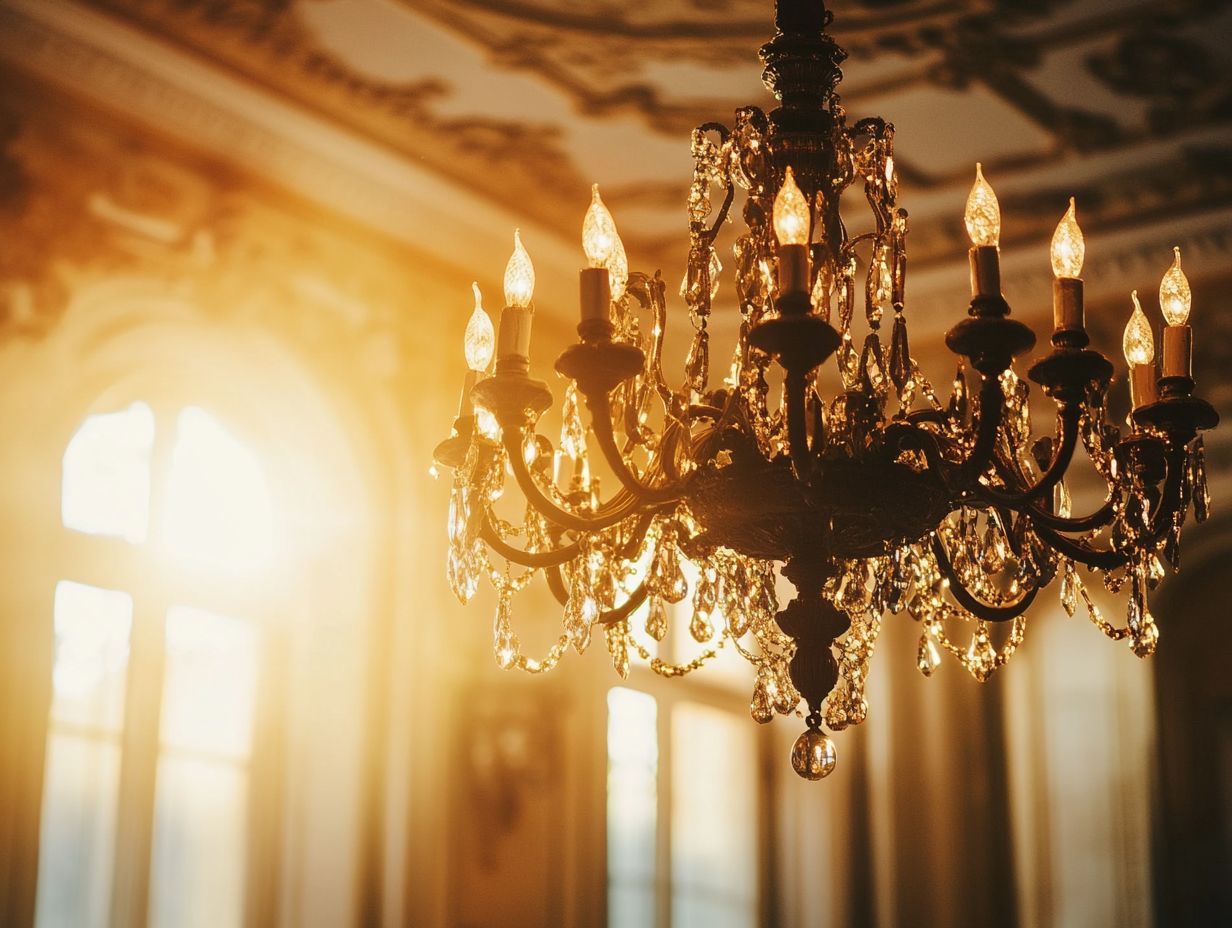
column 510, row 97
column 86, row 201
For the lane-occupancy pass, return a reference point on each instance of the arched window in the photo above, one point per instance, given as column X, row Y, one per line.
column 160, row 676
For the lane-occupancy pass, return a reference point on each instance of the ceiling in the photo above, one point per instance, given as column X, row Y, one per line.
column 521, row 104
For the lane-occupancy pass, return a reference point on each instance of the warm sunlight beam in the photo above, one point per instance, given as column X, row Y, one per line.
column 218, row 511
column 106, row 488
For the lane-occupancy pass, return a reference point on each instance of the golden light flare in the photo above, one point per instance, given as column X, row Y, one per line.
column 1069, row 248
column 1138, row 342
column 1175, row 298
column 791, row 213
column 519, row 275
column 983, row 214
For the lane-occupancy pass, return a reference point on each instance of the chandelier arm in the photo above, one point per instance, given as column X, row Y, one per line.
column 649, row 292
column 535, row 559
column 1100, row 518
column 556, row 584
column 968, row 601
column 902, row 436
column 1052, row 476
column 797, row 430
column 987, row 428
column 1083, row 554
column 601, row 420
column 625, row 609
column 615, row 511
column 1170, row 499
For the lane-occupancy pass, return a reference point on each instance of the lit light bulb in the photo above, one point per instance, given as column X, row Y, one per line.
column 1174, row 297
column 519, row 275
column 791, row 213
column 1138, row 342
column 1068, row 246
column 983, row 216
column 598, row 231
column 480, row 340
column 618, row 270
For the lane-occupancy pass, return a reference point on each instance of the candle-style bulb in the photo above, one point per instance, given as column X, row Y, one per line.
column 1068, row 246
column 480, row 340
column 1138, row 342
column 618, row 270
column 598, row 231
column 1174, row 297
column 791, row 213
column 519, row 275
column 983, row 215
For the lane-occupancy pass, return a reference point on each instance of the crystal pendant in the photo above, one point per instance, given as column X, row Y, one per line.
column 813, row 755
column 618, row 647
column 762, row 707
column 656, row 619
column 1147, row 638
column 928, row 658
column 1069, row 588
column 505, row 643
column 1201, row 493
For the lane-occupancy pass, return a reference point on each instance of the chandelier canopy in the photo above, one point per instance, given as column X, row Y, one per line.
column 881, row 498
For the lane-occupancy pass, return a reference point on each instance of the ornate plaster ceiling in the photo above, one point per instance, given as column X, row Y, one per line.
column 1126, row 104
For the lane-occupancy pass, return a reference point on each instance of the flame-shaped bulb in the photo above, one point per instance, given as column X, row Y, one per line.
column 1138, row 342
column 983, row 214
column 519, row 275
column 480, row 340
column 791, row 213
column 598, row 231
column 1174, row 297
column 1069, row 249
column 618, row 270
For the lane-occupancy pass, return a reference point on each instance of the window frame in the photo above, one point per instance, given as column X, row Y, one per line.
column 138, row 569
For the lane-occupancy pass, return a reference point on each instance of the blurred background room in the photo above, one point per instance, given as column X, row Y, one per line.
column 237, row 241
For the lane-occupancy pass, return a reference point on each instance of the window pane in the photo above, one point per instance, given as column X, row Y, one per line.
column 77, row 835
column 218, row 512
column 632, row 775
column 106, row 488
column 210, row 683
column 714, row 819
column 200, row 815
column 92, row 628
column 197, row 874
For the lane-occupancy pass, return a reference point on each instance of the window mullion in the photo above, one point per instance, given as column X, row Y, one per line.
column 135, row 822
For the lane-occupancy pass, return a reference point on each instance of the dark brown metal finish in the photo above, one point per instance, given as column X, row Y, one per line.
column 851, row 508
column 1181, row 418
column 800, row 342
column 452, row 451
column 513, row 399
column 599, row 367
column 990, row 342
column 1065, row 373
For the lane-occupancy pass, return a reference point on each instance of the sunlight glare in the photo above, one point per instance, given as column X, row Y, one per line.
column 218, row 511
column 106, row 488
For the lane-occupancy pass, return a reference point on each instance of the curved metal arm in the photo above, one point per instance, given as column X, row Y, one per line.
column 601, row 413
column 617, row 510
column 992, row 402
column 1061, row 460
column 797, row 427
column 968, row 601
column 534, row 559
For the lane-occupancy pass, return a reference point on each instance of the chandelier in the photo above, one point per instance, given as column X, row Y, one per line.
column 878, row 499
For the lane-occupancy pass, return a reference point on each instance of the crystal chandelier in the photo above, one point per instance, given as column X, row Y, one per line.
column 878, row 499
